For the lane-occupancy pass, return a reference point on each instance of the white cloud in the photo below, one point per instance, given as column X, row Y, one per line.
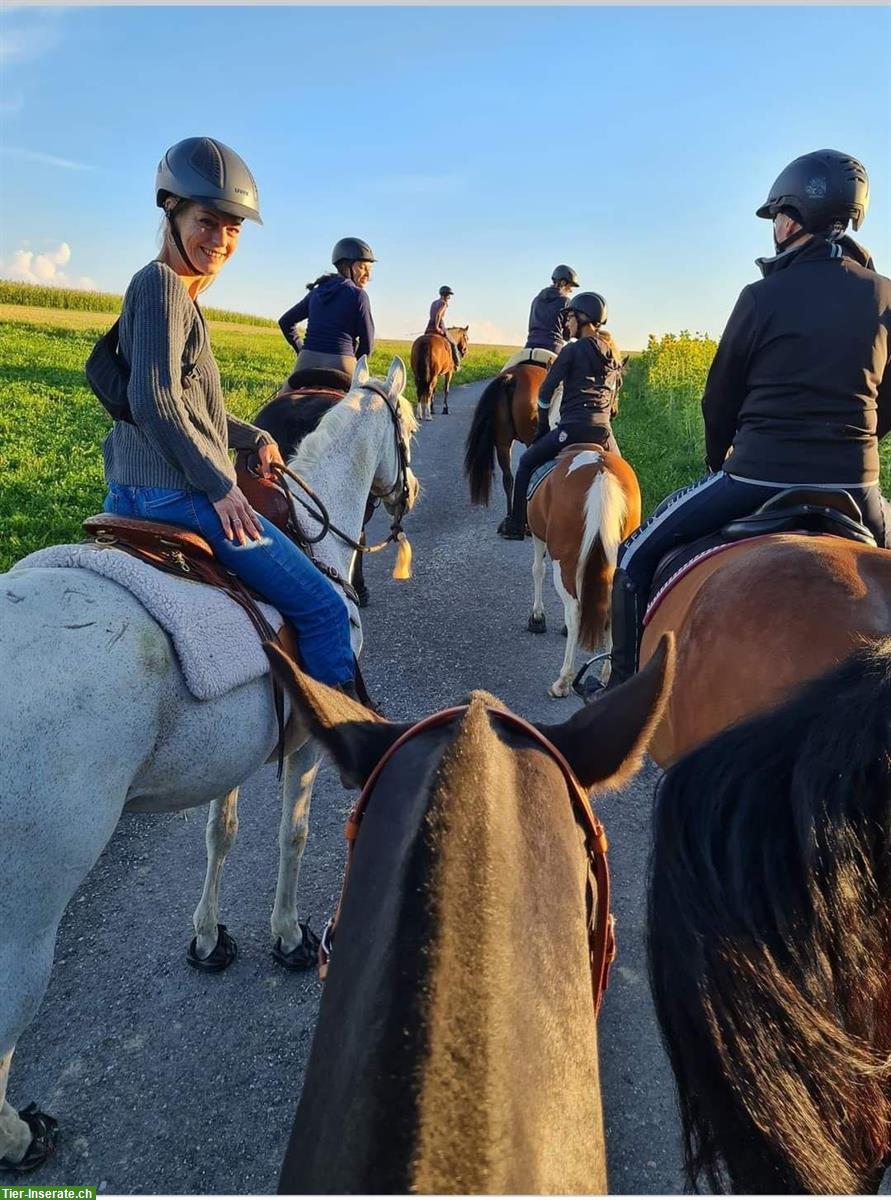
column 488, row 333
column 27, row 267
column 50, row 160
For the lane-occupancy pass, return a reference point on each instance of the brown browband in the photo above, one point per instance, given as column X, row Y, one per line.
column 601, row 936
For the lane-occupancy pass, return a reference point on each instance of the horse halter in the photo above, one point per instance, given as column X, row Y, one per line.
column 601, row 923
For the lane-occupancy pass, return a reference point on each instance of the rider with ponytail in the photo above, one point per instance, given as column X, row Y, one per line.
column 170, row 462
column 590, row 372
column 336, row 306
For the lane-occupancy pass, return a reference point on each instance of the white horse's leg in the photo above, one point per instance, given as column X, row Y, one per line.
column 562, row 685
column 537, row 620
column 295, row 944
column 25, row 966
column 219, row 837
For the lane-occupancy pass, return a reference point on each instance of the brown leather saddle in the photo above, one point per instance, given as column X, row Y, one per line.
column 795, row 510
column 187, row 555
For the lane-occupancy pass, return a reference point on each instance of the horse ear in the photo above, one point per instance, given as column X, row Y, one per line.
column 396, row 377
column 361, row 374
column 354, row 736
column 604, row 743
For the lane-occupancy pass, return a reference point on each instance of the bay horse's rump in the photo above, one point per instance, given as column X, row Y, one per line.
column 759, row 618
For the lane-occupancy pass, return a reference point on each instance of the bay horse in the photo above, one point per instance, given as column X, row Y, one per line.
column 506, row 412
column 431, row 357
column 579, row 514
column 769, row 939
column 758, row 618
column 456, row 1044
column 92, row 725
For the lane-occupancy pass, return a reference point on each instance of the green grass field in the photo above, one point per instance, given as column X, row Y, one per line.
column 52, row 427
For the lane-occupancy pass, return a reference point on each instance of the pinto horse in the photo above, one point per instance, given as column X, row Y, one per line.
column 758, row 618
column 506, row 412
column 769, row 937
column 431, row 356
column 456, row 1044
column 579, row 514
column 109, row 724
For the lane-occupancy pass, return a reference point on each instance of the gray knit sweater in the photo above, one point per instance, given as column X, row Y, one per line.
column 182, row 431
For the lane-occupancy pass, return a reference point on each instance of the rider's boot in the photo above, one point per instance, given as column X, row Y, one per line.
column 511, row 529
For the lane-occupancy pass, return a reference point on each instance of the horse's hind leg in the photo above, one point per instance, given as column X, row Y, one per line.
column 562, row 685
column 537, row 619
column 447, row 379
column 507, row 478
column 25, row 967
column 212, row 948
column 296, row 946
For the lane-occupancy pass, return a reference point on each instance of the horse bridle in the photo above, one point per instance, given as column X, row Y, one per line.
column 319, row 512
column 601, row 924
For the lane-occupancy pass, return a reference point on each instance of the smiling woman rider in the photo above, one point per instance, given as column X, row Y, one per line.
column 172, row 462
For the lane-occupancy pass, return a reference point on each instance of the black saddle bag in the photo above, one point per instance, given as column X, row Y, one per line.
column 108, row 374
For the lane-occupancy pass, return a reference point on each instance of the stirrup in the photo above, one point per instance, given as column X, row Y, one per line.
column 584, row 692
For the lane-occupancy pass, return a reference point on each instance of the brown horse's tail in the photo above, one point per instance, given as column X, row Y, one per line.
column 479, row 449
column 606, row 508
column 769, row 939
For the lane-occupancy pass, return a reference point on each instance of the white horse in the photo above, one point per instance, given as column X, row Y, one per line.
column 91, row 725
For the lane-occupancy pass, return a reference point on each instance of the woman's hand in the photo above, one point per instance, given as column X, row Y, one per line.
column 238, row 519
column 269, row 455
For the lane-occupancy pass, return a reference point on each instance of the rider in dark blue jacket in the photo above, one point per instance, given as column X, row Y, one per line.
column 340, row 325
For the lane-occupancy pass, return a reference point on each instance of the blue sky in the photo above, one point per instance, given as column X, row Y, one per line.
column 471, row 146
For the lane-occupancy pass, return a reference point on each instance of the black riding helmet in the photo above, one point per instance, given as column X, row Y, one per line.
column 204, row 170
column 446, row 291
column 591, row 306
column 564, row 274
column 351, row 249
column 820, row 190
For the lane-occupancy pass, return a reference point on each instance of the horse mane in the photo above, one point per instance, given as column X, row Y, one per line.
column 769, row 938
column 335, row 423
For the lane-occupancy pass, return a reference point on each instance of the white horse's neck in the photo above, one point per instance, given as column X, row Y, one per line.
column 339, row 461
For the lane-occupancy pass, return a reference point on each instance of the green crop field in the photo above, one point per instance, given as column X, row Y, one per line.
column 52, row 427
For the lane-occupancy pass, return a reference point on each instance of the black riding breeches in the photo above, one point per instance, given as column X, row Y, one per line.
column 549, row 447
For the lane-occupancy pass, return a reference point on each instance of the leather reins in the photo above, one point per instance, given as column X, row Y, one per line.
column 601, row 924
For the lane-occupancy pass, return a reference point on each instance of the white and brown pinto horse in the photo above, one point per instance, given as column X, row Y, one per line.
column 579, row 515
column 91, row 726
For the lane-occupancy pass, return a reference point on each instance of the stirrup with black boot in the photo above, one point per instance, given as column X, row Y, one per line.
column 512, row 530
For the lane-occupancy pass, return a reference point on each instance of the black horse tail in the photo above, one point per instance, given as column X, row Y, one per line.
column 769, row 939
column 479, row 449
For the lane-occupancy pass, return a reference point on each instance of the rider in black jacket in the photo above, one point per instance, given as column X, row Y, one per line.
column 590, row 370
column 799, row 392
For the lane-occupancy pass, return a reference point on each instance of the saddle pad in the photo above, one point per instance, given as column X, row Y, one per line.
column 535, row 357
column 214, row 640
column 539, row 475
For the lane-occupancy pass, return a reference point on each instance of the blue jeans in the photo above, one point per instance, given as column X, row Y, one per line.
column 272, row 566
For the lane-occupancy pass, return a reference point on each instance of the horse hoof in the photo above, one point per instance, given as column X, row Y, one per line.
column 44, row 1135
column 558, row 691
column 363, row 597
column 445, row 412
column 222, row 956
column 303, row 957
column 537, row 624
